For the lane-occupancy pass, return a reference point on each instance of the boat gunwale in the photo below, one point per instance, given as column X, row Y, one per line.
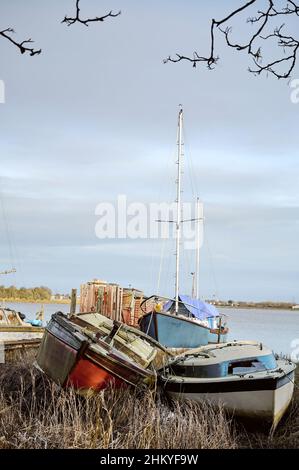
column 274, row 374
column 21, row 329
column 177, row 317
column 107, row 349
column 209, row 358
column 172, row 300
column 129, row 328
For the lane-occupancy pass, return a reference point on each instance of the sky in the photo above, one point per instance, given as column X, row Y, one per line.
column 95, row 116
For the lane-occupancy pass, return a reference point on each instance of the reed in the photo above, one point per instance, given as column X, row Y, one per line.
column 35, row 413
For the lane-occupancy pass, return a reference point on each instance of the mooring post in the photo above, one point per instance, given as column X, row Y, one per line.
column 41, row 314
column 73, row 302
column 219, row 329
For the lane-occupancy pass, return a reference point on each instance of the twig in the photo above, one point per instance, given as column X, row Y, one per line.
column 253, row 47
column 69, row 21
column 21, row 45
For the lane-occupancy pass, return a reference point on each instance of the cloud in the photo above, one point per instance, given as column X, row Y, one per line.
column 95, row 116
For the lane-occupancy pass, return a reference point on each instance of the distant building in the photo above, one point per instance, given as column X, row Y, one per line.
column 59, row 297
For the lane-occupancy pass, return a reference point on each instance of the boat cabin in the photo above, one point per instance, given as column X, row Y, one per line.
column 211, row 363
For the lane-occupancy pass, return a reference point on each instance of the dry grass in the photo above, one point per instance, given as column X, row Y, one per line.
column 35, row 413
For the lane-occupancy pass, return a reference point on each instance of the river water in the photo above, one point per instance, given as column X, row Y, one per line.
column 278, row 329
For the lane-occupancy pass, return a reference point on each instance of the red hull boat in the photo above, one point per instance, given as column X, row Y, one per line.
column 76, row 353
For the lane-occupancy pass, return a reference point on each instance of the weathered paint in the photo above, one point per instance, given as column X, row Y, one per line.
column 72, row 355
column 87, row 375
column 56, row 358
column 176, row 332
column 111, row 300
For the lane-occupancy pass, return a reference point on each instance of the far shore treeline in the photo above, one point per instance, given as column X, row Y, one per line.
column 44, row 294
column 32, row 294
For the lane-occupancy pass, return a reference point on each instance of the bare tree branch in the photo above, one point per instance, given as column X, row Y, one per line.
column 263, row 20
column 69, row 21
column 6, row 33
column 284, row 42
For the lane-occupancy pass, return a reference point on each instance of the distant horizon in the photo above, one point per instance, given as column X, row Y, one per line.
column 229, row 299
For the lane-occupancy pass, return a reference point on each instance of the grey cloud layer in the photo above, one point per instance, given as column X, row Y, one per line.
column 95, row 116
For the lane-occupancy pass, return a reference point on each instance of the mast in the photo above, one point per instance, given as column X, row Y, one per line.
column 178, row 201
column 198, row 217
column 193, row 294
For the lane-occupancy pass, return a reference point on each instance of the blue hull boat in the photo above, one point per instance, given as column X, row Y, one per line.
column 180, row 331
column 173, row 331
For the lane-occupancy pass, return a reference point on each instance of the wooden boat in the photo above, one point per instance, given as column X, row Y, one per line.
column 195, row 324
column 18, row 339
column 89, row 351
column 243, row 376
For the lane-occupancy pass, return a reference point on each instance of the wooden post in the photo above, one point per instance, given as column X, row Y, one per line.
column 41, row 314
column 73, row 302
column 219, row 330
column 100, row 300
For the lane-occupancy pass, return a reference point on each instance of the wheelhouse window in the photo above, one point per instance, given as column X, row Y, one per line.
column 224, row 369
column 251, row 365
column 202, row 372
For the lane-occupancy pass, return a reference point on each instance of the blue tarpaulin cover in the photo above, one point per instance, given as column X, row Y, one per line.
column 196, row 307
column 34, row 322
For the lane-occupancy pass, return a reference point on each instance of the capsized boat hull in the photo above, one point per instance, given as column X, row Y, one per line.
column 70, row 367
column 177, row 331
column 70, row 357
column 260, row 399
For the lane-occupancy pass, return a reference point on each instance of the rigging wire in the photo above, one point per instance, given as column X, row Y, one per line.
column 156, row 277
column 189, row 262
column 169, row 242
column 7, row 230
column 190, row 259
column 14, row 257
column 161, row 265
column 211, row 264
column 195, row 185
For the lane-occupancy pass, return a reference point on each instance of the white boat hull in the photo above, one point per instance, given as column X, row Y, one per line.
column 266, row 405
column 263, row 396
